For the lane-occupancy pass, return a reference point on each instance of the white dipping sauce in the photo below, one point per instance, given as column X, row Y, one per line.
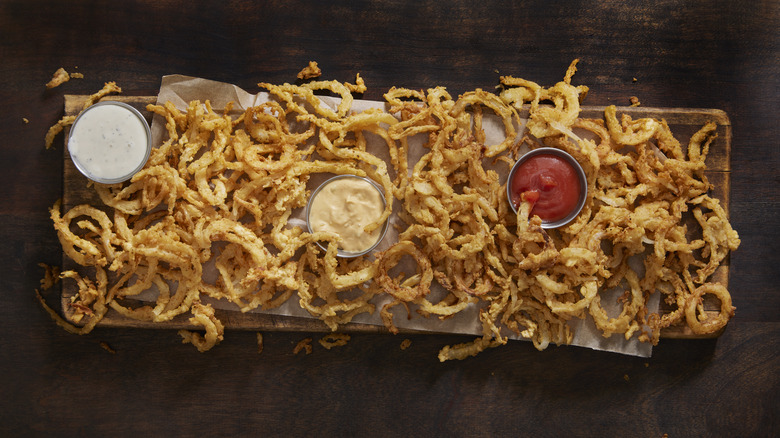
column 109, row 142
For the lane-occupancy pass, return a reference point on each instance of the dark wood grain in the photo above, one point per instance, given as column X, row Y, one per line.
column 670, row 54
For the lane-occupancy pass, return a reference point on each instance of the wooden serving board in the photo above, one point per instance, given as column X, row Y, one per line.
column 683, row 122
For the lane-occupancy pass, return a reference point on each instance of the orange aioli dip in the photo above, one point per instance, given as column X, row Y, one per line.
column 344, row 207
column 549, row 183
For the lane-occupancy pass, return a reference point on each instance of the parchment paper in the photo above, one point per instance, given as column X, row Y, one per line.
column 180, row 90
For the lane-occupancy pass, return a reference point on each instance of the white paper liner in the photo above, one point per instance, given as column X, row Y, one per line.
column 180, row 90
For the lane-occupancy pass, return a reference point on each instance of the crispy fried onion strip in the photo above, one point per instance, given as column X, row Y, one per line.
column 89, row 301
column 203, row 315
column 695, row 316
column 51, row 134
column 390, row 257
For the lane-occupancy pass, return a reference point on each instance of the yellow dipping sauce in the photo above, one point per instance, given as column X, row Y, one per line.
column 344, row 206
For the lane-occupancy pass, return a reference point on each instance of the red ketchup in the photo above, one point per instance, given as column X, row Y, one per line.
column 549, row 183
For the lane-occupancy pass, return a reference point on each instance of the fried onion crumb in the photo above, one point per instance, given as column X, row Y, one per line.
column 58, row 78
column 104, row 345
column 310, row 71
column 61, row 76
column 334, row 340
column 51, row 276
column 304, row 344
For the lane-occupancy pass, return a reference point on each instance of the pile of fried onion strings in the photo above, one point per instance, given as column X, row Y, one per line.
column 218, row 193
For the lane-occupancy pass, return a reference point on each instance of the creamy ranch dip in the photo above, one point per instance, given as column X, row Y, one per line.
column 344, row 206
column 109, row 142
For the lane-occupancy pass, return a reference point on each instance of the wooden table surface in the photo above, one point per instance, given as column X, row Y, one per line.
column 722, row 55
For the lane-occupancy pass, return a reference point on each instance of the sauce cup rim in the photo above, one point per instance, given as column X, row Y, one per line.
column 580, row 174
column 342, row 253
column 123, row 178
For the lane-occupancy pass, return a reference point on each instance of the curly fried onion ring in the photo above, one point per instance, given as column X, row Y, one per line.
column 390, row 257
column 698, row 321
